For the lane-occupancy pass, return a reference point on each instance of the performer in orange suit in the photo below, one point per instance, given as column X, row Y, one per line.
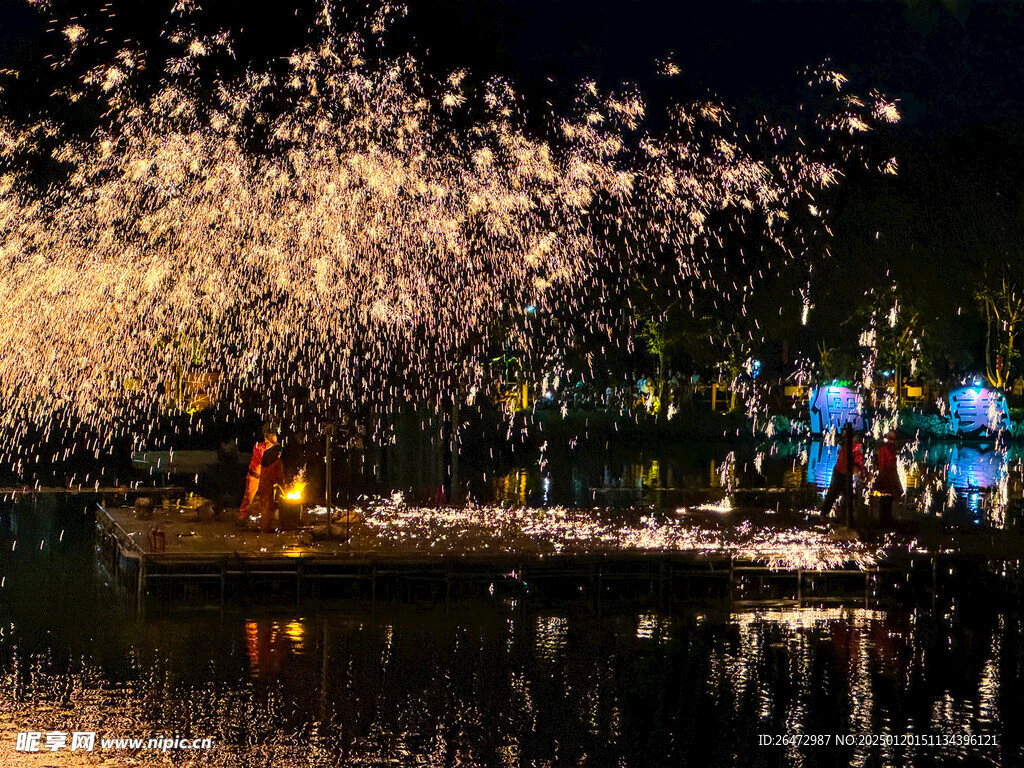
column 271, row 477
column 252, row 479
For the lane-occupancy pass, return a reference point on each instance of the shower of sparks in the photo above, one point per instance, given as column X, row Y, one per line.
column 348, row 228
column 559, row 530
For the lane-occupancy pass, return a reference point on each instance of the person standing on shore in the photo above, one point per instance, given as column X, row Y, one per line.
column 271, row 478
column 887, row 482
column 252, row 479
column 845, row 466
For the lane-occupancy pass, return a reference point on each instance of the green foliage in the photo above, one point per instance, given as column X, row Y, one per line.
column 928, row 425
column 1003, row 307
column 836, row 364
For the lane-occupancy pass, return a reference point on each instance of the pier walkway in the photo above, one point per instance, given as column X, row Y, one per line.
column 212, row 563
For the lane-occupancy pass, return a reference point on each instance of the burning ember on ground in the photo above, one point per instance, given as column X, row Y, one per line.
column 559, row 530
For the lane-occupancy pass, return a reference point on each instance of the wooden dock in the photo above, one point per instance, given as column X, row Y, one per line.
column 211, row 564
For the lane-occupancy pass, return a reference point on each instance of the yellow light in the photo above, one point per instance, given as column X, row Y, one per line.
column 294, row 493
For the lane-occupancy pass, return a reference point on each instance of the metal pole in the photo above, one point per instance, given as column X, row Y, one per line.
column 848, row 443
column 328, row 434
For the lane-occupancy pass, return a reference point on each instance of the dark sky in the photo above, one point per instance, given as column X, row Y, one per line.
column 952, row 63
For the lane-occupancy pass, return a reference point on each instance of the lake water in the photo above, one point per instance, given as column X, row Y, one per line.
column 496, row 682
column 975, row 484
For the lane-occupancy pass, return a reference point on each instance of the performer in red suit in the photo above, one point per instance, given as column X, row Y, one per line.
column 887, row 482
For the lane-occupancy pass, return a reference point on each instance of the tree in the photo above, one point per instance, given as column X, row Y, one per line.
column 894, row 339
column 1003, row 307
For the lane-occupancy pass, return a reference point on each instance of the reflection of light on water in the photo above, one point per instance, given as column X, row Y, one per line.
column 975, row 471
column 551, row 635
column 652, row 477
column 803, row 619
column 650, row 626
column 1001, row 500
column 799, row 631
column 974, row 468
column 988, row 688
column 511, row 488
column 821, row 461
column 521, row 686
column 252, row 646
column 509, row 755
column 389, row 632
column 296, row 632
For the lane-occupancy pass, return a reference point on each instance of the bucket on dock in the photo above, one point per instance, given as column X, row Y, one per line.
column 157, row 539
column 288, row 514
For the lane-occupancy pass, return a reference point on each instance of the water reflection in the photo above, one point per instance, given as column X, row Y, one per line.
column 821, row 463
column 974, row 482
column 268, row 642
column 430, row 689
column 493, row 683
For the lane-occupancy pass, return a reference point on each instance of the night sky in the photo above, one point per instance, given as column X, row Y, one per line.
column 955, row 67
column 952, row 64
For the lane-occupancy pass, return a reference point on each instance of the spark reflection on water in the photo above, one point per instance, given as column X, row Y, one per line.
column 635, row 690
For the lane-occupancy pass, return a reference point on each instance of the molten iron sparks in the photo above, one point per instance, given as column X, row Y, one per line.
column 360, row 237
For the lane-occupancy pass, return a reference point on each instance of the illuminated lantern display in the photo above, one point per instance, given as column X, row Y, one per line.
column 977, row 409
column 833, row 407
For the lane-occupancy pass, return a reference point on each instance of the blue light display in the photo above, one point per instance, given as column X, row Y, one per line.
column 976, row 409
column 833, row 407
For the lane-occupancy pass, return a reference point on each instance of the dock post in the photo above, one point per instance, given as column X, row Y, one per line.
column 328, row 434
column 799, row 587
column 671, row 579
column 140, row 586
column 732, row 575
column 848, row 445
column 298, row 582
column 223, row 582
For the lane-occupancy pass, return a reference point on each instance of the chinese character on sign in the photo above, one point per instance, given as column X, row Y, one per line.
column 28, row 741
column 974, row 409
column 83, row 740
column 56, row 740
column 832, row 407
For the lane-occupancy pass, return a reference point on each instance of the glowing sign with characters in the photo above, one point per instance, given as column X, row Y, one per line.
column 977, row 409
column 833, row 407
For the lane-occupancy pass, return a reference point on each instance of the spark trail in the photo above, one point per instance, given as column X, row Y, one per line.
column 347, row 226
